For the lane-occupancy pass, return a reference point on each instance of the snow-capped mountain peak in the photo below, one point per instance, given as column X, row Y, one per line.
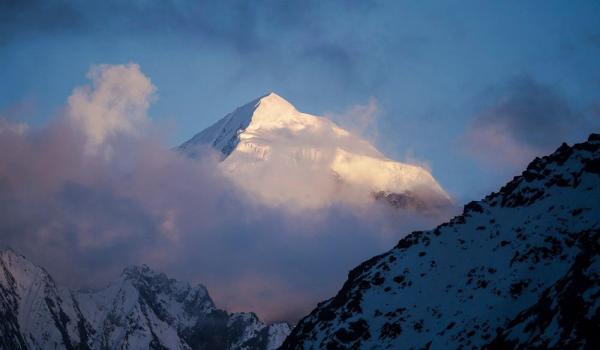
column 270, row 111
column 149, row 282
column 273, row 108
column 142, row 309
column 282, row 155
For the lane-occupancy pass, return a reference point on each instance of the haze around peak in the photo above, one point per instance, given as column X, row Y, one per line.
column 126, row 198
column 282, row 156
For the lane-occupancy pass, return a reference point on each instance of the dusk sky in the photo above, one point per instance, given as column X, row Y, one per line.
column 472, row 90
column 433, row 70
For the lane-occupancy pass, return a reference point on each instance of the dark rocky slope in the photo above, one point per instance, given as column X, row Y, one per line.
column 517, row 270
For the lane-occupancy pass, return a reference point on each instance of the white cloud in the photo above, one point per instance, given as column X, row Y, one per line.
column 359, row 119
column 115, row 103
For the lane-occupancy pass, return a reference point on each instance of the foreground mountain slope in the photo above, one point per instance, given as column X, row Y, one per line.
column 140, row 310
column 34, row 312
column 567, row 314
column 282, row 155
column 517, row 270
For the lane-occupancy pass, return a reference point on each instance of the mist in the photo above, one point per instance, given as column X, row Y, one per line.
column 97, row 189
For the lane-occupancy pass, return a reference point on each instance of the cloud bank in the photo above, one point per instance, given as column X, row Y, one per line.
column 93, row 191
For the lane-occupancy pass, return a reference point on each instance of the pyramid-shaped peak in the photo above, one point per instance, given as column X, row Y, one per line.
column 274, row 97
column 224, row 134
column 274, row 105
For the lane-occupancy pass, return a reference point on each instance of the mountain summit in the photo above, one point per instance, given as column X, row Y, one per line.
column 282, row 155
column 224, row 135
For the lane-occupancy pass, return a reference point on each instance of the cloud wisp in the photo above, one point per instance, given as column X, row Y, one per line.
column 92, row 192
column 359, row 119
column 525, row 119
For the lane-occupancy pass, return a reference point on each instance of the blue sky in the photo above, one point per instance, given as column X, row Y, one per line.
column 444, row 75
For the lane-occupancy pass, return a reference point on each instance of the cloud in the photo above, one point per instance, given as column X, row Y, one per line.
column 85, row 215
column 243, row 26
column 525, row 119
column 22, row 18
column 115, row 103
column 13, row 128
column 275, row 36
column 359, row 119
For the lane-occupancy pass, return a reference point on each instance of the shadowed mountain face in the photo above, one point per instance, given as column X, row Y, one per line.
column 140, row 310
column 281, row 155
column 517, row 270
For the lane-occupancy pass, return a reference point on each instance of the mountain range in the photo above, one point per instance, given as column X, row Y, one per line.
column 142, row 309
column 519, row 269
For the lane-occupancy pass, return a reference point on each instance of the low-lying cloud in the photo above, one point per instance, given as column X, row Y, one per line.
column 92, row 192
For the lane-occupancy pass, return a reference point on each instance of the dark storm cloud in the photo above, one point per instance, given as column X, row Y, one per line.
column 523, row 119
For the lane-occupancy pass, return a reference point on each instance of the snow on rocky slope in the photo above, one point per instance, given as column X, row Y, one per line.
column 282, row 155
column 140, row 310
column 34, row 312
column 518, row 270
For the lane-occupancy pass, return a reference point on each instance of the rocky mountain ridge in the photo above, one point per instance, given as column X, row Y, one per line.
column 518, row 270
column 142, row 309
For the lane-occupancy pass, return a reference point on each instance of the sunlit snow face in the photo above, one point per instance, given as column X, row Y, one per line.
column 285, row 157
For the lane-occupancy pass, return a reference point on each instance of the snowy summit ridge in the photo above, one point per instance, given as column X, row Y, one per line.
column 250, row 121
column 282, row 155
